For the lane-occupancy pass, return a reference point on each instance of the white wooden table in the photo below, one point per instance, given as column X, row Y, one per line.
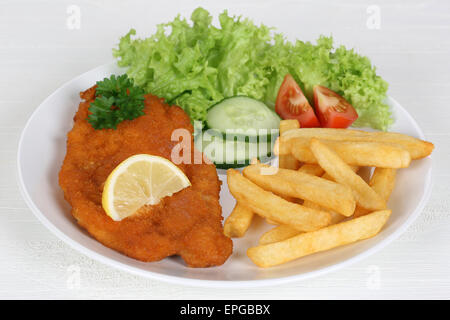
column 42, row 46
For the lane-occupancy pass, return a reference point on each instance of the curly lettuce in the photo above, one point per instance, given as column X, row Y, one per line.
column 195, row 65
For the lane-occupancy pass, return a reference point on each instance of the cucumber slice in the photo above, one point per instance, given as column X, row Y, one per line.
column 242, row 115
column 233, row 153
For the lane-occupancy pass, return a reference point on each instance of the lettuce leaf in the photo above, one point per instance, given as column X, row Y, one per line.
column 195, row 65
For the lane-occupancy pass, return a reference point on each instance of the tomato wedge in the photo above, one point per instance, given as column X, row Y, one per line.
column 332, row 109
column 292, row 104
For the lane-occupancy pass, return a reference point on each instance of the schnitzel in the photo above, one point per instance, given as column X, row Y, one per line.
column 188, row 223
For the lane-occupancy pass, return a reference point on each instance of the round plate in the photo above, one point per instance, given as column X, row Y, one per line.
column 42, row 148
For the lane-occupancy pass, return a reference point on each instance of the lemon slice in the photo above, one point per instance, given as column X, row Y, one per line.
column 139, row 180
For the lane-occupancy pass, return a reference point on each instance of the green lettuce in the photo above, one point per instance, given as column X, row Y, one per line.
column 195, row 65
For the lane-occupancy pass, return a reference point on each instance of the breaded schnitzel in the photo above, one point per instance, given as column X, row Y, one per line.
column 188, row 223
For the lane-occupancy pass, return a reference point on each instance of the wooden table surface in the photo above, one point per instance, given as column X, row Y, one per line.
column 43, row 45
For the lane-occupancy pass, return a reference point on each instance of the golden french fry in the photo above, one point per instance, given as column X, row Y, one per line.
column 275, row 208
column 416, row 147
column 283, row 232
column 288, row 161
column 347, row 232
column 312, row 169
column 382, row 182
column 370, row 154
column 272, row 222
column 278, row 233
column 328, row 194
column 238, row 222
column 282, row 149
column 288, row 124
column 335, row 217
column 328, row 177
column 365, row 196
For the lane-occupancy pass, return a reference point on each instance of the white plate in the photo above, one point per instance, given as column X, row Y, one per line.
column 42, row 148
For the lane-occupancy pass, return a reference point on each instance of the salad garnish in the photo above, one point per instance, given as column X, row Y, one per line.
column 117, row 99
column 195, row 65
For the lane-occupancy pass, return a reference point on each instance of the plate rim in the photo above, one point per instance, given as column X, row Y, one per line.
column 212, row 283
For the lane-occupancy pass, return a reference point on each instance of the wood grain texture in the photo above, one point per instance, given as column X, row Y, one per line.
column 38, row 53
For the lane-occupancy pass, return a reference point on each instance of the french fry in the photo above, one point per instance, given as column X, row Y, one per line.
column 328, row 194
column 312, row 169
column 328, row 177
column 288, row 161
column 272, row 222
column 347, row 232
column 370, row 154
column 275, row 208
column 335, row 217
column 282, row 149
column 238, row 222
column 365, row 196
column 283, row 232
column 278, row 233
column 382, row 182
column 416, row 147
column 288, row 124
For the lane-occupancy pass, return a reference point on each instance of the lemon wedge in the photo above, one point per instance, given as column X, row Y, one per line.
column 139, row 180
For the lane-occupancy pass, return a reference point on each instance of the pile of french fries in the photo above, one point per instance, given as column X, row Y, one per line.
column 316, row 198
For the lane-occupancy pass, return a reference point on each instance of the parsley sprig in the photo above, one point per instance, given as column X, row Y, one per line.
column 117, row 99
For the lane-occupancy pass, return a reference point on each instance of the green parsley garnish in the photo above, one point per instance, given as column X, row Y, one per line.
column 117, row 99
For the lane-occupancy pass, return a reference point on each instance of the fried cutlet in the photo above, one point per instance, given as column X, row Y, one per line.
column 188, row 223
